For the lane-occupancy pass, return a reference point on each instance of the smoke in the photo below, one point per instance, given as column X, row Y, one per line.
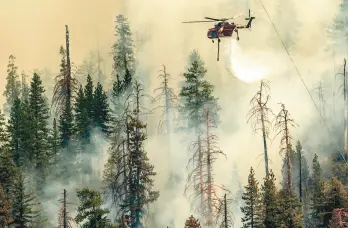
column 258, row 54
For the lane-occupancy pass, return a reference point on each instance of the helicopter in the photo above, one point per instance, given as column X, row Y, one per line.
column 224, row 29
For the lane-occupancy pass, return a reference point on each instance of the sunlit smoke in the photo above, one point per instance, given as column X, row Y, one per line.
column 248, row 68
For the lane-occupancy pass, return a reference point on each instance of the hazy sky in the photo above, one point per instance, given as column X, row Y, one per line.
column 34, row 30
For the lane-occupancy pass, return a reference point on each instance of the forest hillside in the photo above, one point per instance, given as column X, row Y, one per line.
column 116, row 114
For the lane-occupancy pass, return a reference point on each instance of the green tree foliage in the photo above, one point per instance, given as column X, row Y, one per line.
column 54, row 144
column 289, row 210
column 83, row 122
column 39, row 128
column 90, row 211
column 123, row 50
column 23, row 205
column 196, row 95
column 317, row 192
column 4, row 139
column 15, row 128
column 89, row 97
column 13, row 84
column 101, row 111
column 251, row 196
column 335, row 197
column 5, row 209
column 8, row 171
column 270, row 202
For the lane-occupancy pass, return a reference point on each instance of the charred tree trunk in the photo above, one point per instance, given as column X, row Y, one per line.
column 283, row 122
column 225, row 212
column 259, row 115
column 68, row 63
column 209, row 177
column 345, row 110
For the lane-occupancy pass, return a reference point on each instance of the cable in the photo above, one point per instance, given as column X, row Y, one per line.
column 299, row 74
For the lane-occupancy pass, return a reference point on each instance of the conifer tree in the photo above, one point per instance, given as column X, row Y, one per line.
column 39, row 128
column 289, row 209
column 54, row 143
column 5, row 209
column 123, row 50
column 23, row 205
column 25, row 87
column 141, row 172
column 270, row 202
column 4, row 139
column 90, row 209
column 196, row 94
column 101, row 111
column 15, row 126
column 8, row 172
column 89, row 97
column 83, row 122
column 317, row 192
column 191, row 222
column 13, row 84
column 251, row 196
column 335, row 197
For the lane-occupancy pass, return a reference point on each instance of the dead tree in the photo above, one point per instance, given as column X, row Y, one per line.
column 258, row 116
column 320, row 97
column 224, row 218
column 344, row 74
column 167, row 94
column 201, row 179
column 339, row 218
column 64, row 220
column 66, row 84
column 283, row 122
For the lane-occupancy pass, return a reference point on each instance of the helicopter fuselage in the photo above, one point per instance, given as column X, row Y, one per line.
column 221, row 30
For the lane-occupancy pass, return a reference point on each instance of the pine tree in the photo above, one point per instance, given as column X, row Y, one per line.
column 54, row 144
column 251, row 196
column 290, row 209
column 23, row 205
column 89, row 97
column 4, row 139
column 317, row 192
column 101, row 111
column 5, row 209
column 8, row 172
column 25, row 87
column 140, row 191
column 191, row 222
column 83, row 122
column 90, row 209
column 123, row 50
column 335, row 197
column 270, row 202
column 13, row 84
column 196, row 95
column 14, row 128
column 39, row 128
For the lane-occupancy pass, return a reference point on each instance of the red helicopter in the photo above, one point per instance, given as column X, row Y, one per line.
column 224, row 29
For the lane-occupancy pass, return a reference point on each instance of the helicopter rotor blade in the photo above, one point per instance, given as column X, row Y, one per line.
column 214, row 19
column 196, row 21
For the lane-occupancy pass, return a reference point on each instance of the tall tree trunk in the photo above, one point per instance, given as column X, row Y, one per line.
column 209, row 184
column 68, row 64
column 345, row 110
